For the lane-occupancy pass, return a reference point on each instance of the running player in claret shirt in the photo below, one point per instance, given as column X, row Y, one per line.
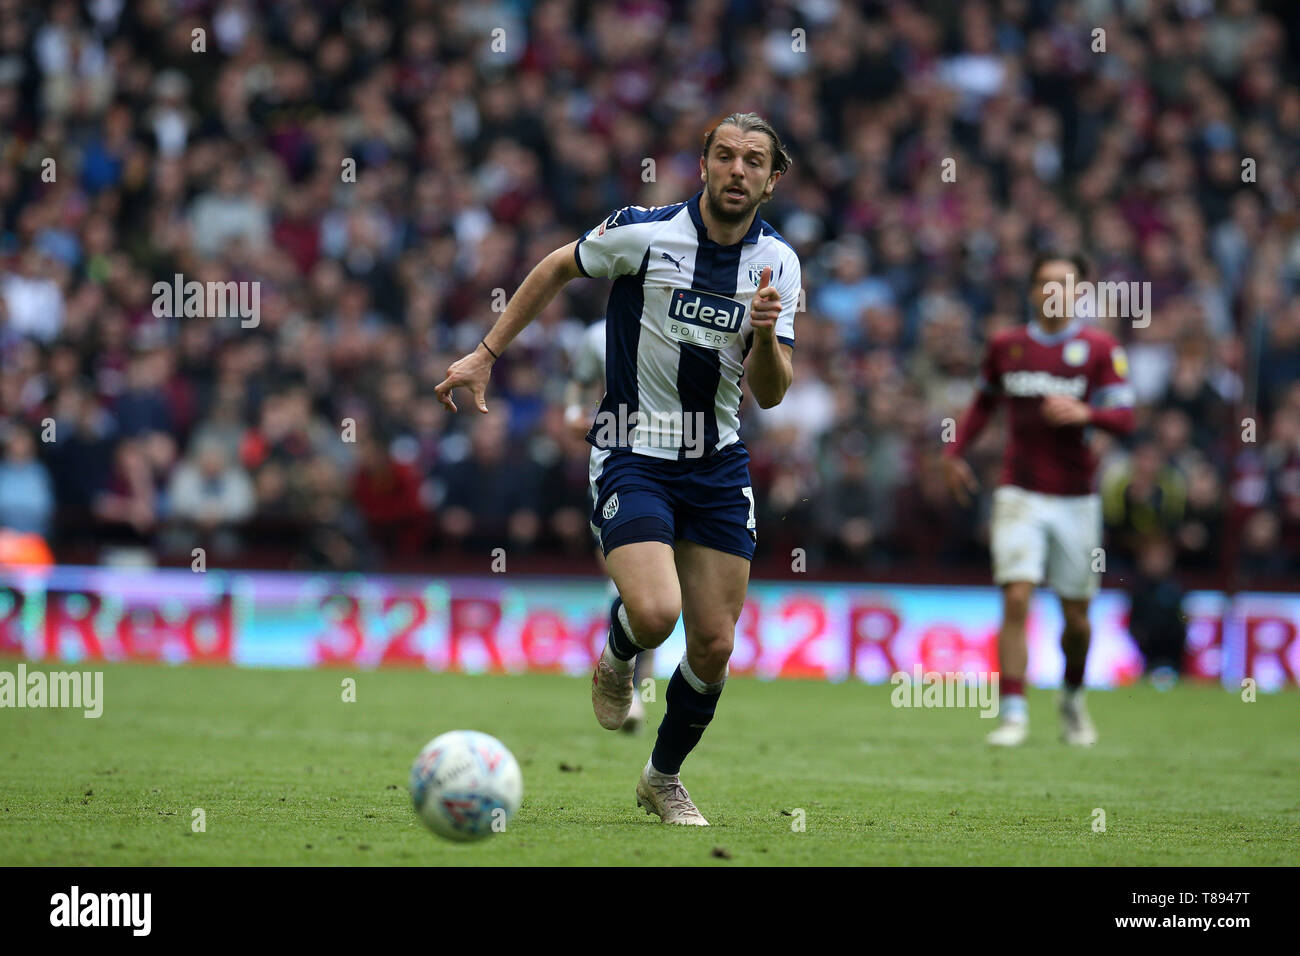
column 704, row 294
column 1058, row 378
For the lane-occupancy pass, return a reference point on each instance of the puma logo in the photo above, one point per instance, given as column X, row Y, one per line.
column 677, row 263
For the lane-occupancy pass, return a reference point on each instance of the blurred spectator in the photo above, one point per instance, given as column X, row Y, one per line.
column 1260, row 552
column 143, row 407
column 209, row 492
column 492, row 495
column 851, row 290
column 850, row 516
column 1156, row 618
column 228, row 214
column 387, row 494
column 927, row 525
column 80, row 457
column 26, row 492
column 33, row 296
column 1199, row 536
column 1281, row 459
column 336, row 538
column 1143, row 496
column 127, row 505
column 565, row 490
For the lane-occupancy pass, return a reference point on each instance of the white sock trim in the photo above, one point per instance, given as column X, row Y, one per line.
column 698, row 685
column 627, row 627
column 622, row 666
column 655, row 775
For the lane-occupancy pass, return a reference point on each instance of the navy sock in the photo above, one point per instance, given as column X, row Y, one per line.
column 620, row 642
column 688, row 714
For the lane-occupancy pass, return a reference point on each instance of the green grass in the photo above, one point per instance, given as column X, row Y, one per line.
column 289, row 774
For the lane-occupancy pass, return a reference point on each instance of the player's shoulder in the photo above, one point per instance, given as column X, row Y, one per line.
column 1105, row 348
column 787, row 260
column 1098, row 337
column 1107, row 351
column 1003, row 338
column 640, row 215
column 779, row 242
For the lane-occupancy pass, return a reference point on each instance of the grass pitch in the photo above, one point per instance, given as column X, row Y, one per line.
column 285, row 772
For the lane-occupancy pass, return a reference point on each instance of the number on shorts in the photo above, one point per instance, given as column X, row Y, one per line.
column 748, row 492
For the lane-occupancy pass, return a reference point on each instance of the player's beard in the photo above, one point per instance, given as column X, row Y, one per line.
column 723, row 209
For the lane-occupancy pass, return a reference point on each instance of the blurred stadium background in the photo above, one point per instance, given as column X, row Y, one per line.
column 485, row 134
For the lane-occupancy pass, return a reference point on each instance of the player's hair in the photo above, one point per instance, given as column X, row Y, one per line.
column 752, row 122
column 1078, row 259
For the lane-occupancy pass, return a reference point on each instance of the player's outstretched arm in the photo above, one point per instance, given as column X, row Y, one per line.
column 537, row 290
column 957, row 474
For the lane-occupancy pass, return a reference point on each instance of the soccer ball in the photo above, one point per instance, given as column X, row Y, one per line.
column 466, row 785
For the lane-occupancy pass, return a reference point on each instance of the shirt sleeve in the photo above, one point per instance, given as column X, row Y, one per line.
column 790, row 284
column 1110, row 384
column 990, row 381
column 988, row 391
column 615, row 247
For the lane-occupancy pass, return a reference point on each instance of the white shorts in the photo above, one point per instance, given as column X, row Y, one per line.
column 1052, row 539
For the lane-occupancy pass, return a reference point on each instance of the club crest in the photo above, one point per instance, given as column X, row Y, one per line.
column 1075, row 353
column 756, row 271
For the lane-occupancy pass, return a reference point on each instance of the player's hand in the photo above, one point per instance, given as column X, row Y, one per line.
column 961, row 481
column 765, row 308
column 472, row 371
column 1062, row 410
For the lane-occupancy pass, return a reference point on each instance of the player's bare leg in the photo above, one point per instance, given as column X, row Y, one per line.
column 643, row 617
column 644, row 662
column 1013, row 659
column 1076, row 725
column 713, row 587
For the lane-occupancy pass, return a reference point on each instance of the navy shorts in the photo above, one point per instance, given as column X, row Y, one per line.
column 706, row 500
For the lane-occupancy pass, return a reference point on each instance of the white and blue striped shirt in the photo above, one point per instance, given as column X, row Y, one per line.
column 677, row 326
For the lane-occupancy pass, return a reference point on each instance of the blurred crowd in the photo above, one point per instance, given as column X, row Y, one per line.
column 388, row 173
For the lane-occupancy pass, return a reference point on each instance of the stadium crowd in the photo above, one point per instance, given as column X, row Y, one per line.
column 484, row 134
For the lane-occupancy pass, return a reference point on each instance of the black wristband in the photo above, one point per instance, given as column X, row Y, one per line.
column 483, row 342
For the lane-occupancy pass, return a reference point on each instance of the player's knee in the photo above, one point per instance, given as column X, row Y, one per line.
column 710, row 661
column 652, row 620
column 713, row 643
